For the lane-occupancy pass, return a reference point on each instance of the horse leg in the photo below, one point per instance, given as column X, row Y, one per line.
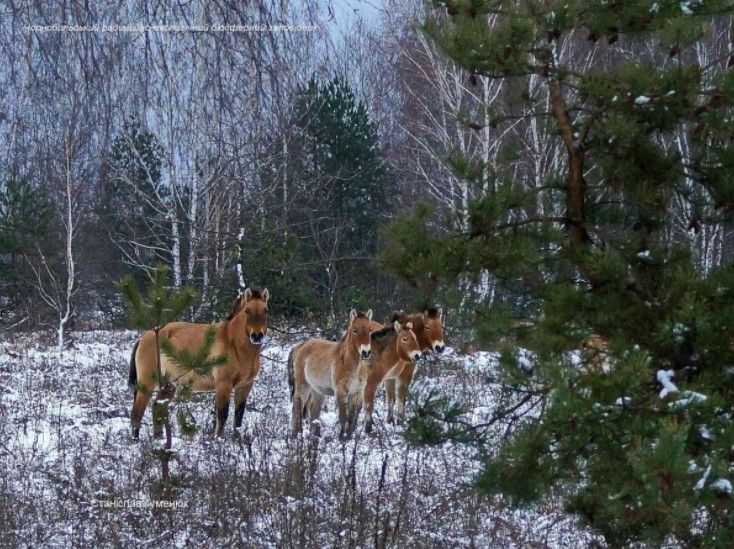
column 221, row 406
column 297, row 413
column 140, row 402
column 390, row 394
column 341, row 405
column 402, row 387
column 355, row 409
column 315, row 402
column 241, row 392
column 369, row 404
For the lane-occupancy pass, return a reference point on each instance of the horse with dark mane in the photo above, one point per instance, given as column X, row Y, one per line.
column 428, row 329
column 238, row 338
column 393, row 348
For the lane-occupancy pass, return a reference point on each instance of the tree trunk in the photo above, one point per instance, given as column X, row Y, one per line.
column 576, row 199
column 575, row 184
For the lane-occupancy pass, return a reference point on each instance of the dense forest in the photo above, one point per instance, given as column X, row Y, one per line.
column 557, row 176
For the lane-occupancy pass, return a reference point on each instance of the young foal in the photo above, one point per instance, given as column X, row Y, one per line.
column 318, row 367
column 393, row 348
column 428, row 330
column 239, row 338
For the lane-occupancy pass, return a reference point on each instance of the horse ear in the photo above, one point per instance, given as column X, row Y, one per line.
column 396, row 325
column 352, row 315
column 248, row 295
column 440, row 313
column 369, row 314
column 409, row 325
column 266, row 295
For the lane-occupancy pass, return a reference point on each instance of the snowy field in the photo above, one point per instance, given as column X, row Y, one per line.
column 71, row 475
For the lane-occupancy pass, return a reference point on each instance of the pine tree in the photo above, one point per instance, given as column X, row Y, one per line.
column 25, row 222
column 341, row 142
column 342, row 183
column 637, row 439
column 151, row 311
column 133, row 196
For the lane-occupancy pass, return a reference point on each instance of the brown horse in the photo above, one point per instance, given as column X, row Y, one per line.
column 238, row 338
column 428, row 329
column 393, row 348
column 318, row 367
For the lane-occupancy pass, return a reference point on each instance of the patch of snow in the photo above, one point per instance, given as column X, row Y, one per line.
column 664, row 378
column 66, row 431
column 702, row 481
column 721, row 486
column 686, row 399
column 642, row 100
column 526, row 360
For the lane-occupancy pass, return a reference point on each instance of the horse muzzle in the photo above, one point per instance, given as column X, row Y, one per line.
column 439, row 346
column 256, row 338
column 366, row 353
column 415, row 356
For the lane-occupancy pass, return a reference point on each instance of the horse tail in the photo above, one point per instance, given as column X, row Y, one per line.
column 291, row 372
column 132, row 378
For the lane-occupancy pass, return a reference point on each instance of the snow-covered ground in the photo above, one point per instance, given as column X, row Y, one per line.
column 72, row 476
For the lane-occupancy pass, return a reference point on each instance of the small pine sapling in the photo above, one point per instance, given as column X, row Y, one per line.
column 151, row 311
column 201, row 362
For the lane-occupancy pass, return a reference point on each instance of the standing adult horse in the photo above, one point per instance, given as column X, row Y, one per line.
column 393, row 348
column 238, row 338
column 318, row 367
column 428, row 329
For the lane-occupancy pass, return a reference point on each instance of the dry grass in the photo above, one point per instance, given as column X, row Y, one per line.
column 65, row 448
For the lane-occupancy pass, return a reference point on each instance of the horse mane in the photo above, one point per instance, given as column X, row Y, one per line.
column 432, row 312
column 397, row 315
column 235, row 308
column 379, row 334
column 256, row 292
column 415, row 318
column 382, row 338
column 429, row 311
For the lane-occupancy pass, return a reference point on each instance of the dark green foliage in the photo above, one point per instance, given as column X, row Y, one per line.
column 343, row 160
column 185, row 419
column 330, row 185
column 159, row 305
column 278, row 262
column 636, row 465
column 436, row 420
column 25, row 225
column 155, row 308
column 412, row 237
